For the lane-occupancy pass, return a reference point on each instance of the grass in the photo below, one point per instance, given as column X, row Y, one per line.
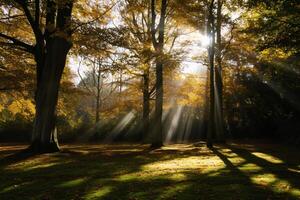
column 128, row 171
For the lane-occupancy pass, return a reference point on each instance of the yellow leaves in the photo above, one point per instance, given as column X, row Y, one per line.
column 193, row 97
column 191, row 91
column 90, row 10
column 1, row 108
column 273, row 54
column 23, row 107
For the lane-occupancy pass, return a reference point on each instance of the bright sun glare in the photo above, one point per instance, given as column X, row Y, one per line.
column 204, row 40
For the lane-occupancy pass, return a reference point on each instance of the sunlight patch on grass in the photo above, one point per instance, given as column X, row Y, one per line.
column 263, row 179
column 81, row 151
column 267, row 157
column 174, row 169
column 35, row 163
column 9, row 189
column 294, row 170
column 178, row 177
column 295, row 192
column 131, row 176
column 98, row 193
column 41, row 166
column 203, row 164
column 180, row 147
column 250, row 167
column 232, row 157
column 216, row 173
column 151, row 175
column 73, row 183
column 275, row 184
column 13, row 187
column 281, row 186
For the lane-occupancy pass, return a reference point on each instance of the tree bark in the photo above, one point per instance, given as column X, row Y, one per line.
column 206, row 105
column 44, row 137
column 219, row 117
column 51, row 53
column 158, row 140
column 146, row 104
column 211, row 55
column 158, row 45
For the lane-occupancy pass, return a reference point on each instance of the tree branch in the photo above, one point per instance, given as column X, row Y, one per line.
column 34, row 23
column 16, row 42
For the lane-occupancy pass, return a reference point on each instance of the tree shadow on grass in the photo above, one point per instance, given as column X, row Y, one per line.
column 14, row 156
column 280, row 170
column 71, row 173
column 225, row 183
column 112, row 172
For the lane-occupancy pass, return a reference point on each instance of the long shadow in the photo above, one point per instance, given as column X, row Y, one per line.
column 230, row 183
column 14, row 157
column 99, row 174
column 280, row 170
column 237, row 172
column 96, row 168
column 243, row 153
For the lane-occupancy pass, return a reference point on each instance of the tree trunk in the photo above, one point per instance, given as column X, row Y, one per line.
column 206, row 106
column 44, row 138
column 218, row 79
column 158, row 139
column 98, row 96
column 120, row 85
column 211, row 55
column 146, row 104
column 159, row 46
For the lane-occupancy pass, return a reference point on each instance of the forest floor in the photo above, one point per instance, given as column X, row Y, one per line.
column 248, row 170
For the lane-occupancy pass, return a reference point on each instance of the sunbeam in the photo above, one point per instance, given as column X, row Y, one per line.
column 174, row 124
column 126, row 120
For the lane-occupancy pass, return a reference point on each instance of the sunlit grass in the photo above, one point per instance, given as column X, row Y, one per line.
column 179, row 171
column 72, row 183
column 98, row 193
column 268, row 158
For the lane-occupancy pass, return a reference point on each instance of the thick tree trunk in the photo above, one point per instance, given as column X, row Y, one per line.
column 220, row 134
column 146, row 104
column 211, row 56
column 44, row 138
column 159, row 48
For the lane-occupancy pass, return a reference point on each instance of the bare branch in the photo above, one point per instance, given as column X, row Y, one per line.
column 19, row 43
column 12, row 17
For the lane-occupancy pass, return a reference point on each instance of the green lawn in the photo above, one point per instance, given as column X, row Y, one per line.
column 127, row 171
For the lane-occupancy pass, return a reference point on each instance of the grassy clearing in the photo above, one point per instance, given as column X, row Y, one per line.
column 234, row 171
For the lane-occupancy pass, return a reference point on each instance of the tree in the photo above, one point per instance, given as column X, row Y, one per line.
column 136, row 16
column 158, row 44
column 50, row 50
column 219, row 117
column 211, row 57
column 276, row 24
